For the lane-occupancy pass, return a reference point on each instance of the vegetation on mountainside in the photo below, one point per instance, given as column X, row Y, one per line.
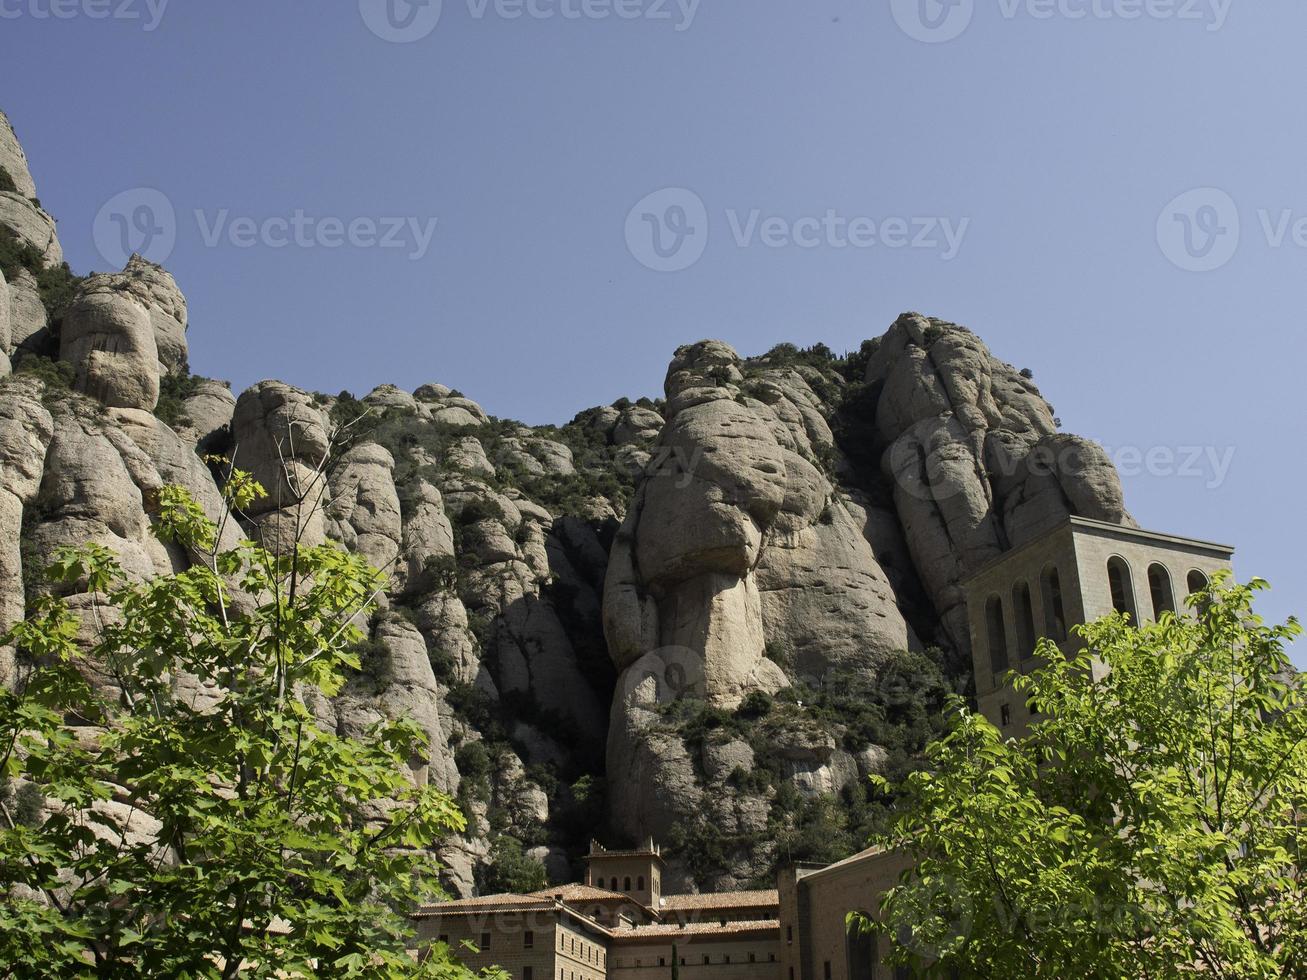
column 194, row 817
column 898, row 710
column 403, row 432
column 1152, row 824
column 174, row 389
column 57, row 283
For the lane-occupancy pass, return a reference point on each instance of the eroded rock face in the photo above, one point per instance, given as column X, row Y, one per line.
column 27, row 316
column 536, row 609
column 25, row 432
column 14, row 160
column 4, row 325
column 153, row 287
column 108, row 338
column 32, row 225
column 281, row 437
column 742, row 561
column 363, row 514
column 974, row 457
column 209, row 410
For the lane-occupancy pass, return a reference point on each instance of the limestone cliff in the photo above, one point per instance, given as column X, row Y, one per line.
column 703, row 618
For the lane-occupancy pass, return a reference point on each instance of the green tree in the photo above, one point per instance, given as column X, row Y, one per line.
column 511, row 869
column 200, row 837
column 1152, row 824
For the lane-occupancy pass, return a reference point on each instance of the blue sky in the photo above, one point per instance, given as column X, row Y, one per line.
column 1059, row 144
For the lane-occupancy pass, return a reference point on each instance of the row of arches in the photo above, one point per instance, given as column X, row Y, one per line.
column 1054, row 619
column 1054, row 625
column 1161, row 594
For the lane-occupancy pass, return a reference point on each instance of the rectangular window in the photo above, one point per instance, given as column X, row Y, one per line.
column 528, row 940
column 527, row 973
column 485, row 942
column 789, row 934
column 825, row 970
column 1005, row 715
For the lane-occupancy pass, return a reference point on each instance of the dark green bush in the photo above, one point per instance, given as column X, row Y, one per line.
column 511, row 870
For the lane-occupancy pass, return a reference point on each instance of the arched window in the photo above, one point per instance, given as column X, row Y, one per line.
column 997, row 633
column 1159, row 587
column 1050, row 586
column 628, row 885
column 1025, row 620
column 1122, row 586
column 614, row 884
column 860, row 953
column 639, row 883
column 1197, row 581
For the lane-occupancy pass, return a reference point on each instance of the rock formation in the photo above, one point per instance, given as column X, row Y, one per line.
column 640, row 622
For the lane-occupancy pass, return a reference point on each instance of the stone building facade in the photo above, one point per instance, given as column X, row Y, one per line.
column 1075, row 573
column 619, row 924
column 591, row 931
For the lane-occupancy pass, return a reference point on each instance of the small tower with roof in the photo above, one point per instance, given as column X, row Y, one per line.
column 636, row 873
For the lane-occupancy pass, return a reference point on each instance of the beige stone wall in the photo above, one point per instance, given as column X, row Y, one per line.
column 1093, row 552
column 556, row 946
column 603, row 869
column 581, row 953
column 508, row 941
column 814, row 904
column 1080, row 550
column 748, row 958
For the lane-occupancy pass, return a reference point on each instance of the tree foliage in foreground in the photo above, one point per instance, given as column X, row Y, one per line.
column 1153, row 824
column 193, row 819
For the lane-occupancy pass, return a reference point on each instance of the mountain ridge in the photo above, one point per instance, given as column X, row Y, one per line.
column 704, row 618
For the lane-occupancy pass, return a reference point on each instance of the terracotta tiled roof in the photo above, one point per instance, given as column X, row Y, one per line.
column 583, row 893
column 482, row 903
column 708, row 929
column 720, row 900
